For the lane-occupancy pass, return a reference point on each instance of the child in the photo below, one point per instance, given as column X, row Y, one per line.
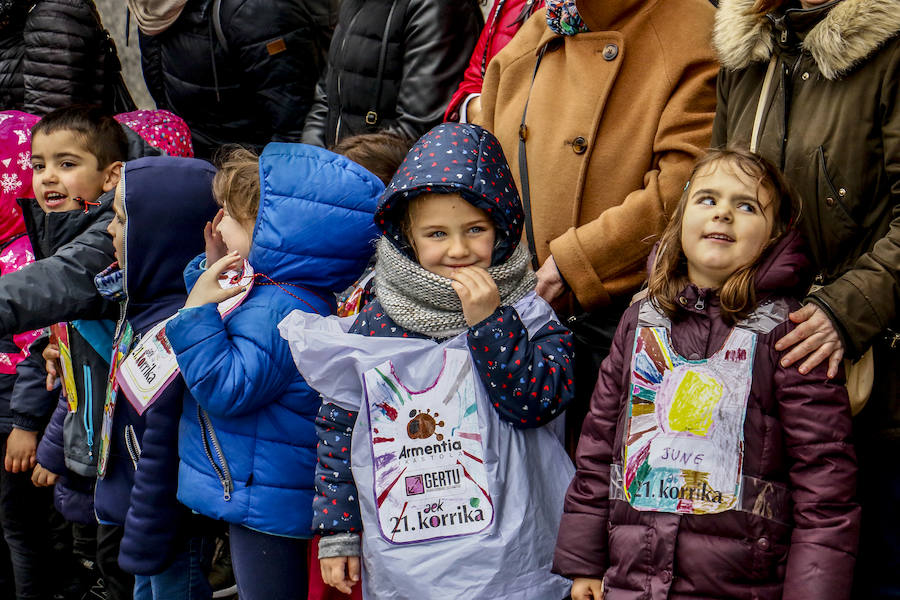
column 160, row 206
column 705, row 469
column 252, row 408
column 464, row 367
column 76, row 155
column 24, row 510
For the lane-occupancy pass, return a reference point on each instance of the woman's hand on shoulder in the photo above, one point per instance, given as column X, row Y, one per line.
column 584, row 588
column 815, row 338
column 477, row 292
column 207, row 289
column 341, row 572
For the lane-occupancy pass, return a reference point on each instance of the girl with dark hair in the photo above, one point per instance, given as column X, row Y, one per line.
column 705, row 468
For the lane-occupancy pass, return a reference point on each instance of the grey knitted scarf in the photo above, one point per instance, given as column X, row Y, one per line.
column 425, row 302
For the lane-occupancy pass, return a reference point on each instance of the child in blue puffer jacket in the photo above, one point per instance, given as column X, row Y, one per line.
column 300, row 218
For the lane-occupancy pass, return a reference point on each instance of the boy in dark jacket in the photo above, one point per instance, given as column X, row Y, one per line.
column 76, row 157
column 138, row 463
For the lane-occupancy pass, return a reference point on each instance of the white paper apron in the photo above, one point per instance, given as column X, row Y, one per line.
column 684, row 435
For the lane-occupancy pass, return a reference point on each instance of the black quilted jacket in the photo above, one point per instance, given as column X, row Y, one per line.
column 426, row 46
column 248, row 81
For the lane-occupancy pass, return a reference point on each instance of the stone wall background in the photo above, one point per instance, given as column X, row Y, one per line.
column 113, row 14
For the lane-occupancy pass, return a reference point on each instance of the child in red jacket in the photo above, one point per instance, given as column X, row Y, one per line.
column 706, row 469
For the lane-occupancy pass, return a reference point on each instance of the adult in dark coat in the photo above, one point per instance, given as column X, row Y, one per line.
column 393, row 65
column 237, row 71
column 54, row 53
column 830, row 117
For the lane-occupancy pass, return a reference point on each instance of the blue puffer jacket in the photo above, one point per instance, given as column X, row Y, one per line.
column 248, row 442
column 167, row 201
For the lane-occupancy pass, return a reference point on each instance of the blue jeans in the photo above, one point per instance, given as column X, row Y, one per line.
column 184, row 579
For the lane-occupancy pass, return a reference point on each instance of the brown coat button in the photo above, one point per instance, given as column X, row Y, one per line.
column 610, row 52
column 579, row 145
column 829, row 201
column 763, row 543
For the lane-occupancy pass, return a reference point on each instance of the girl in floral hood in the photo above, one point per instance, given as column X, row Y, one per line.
column 458, row 471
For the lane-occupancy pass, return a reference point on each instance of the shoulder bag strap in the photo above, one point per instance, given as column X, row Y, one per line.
column 372, row 117
column 523, row 168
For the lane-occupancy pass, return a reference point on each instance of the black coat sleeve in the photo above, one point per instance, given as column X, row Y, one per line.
column 31, row 403
column 59, row 287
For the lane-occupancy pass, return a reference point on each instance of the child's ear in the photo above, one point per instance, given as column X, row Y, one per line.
column 113, row 173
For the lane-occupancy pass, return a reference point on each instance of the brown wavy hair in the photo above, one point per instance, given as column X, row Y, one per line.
column 737, row 296
column 236, row 184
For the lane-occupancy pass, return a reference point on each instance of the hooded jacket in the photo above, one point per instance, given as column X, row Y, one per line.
column 138, row 488
column 831, row 121
column 239, row 71
column 247, row 441
column 15, row 253
column 425, row 45
column 527, row 374
column 797, row 540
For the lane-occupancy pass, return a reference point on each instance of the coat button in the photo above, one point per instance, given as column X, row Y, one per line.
column 762, row 543
column 842, row 192
column 805, row 76
column 682, row 300
column 610, row 52
column 694, row 356
column 579, row 145
column 829, row 201
column 666, row 576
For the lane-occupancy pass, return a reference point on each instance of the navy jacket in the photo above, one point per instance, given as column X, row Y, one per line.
column 528, row 375
column 167, row 200
column 247, row 443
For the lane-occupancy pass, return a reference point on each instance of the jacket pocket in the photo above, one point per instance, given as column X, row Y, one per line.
column 835, row 221
column 133, row 446
column 214, row 453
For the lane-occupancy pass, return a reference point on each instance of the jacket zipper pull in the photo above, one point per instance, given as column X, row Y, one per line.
column 784, row 36
column 699, row 305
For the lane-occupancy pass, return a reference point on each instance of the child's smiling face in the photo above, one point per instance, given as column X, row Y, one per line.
column 727, row 223
column 447, row 233
column 66, row 173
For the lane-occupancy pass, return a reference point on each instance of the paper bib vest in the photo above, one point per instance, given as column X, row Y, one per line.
column 429, row 474
column 684, row 436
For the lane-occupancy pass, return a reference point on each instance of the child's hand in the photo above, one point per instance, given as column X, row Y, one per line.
column 477, row 291
column 41, row 477
column 207, row 289
column 341, row 572
column 21, row 449
column 51, row 363
column 215, row 246
column 584, row 588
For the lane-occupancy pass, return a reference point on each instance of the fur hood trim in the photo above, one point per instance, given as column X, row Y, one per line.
column 849, row 33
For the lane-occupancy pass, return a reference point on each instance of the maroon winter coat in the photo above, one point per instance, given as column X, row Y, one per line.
column 797, row 442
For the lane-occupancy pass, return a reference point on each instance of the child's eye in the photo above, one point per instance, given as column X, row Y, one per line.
column 37, row 166
column 747, row 207
column 436, row 234
column 477, row 229
column 707, row 201
column 67, row 164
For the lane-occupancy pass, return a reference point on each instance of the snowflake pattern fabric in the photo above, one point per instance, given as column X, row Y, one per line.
column 161, row 129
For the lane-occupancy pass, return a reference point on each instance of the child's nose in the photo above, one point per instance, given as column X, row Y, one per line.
column 458, row 246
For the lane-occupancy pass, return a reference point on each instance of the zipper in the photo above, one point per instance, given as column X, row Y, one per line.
column 209, row 435
column 131, row 443
column 89, row 411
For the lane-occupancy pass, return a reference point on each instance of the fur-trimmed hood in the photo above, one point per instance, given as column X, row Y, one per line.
column 850, row 32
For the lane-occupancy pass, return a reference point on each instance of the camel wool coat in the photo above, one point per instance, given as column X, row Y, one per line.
column 616, row 118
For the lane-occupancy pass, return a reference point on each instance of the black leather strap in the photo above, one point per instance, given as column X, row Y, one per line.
column 372, row 117
column 523, row 169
